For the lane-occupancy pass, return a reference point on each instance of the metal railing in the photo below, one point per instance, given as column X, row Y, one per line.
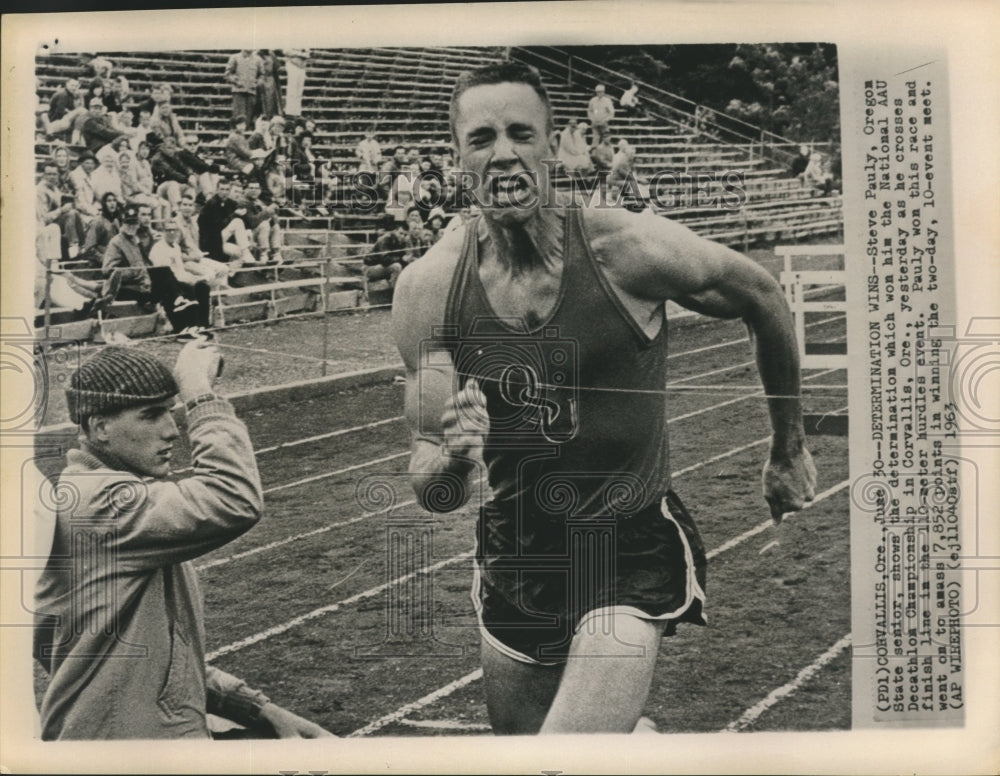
column 683, row 113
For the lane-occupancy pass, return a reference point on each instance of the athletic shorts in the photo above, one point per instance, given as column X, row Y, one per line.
column 538, row 577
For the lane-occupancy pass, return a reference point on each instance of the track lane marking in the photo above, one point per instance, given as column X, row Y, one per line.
column 451, row 687
column 752, row 714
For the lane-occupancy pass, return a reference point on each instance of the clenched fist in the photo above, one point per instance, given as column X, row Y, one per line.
column 789, row 482
column 465, row 422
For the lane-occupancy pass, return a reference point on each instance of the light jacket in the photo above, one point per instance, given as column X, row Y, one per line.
column 119, row 623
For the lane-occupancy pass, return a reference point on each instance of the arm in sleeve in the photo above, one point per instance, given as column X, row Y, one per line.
column 233, row 698
column 116, row 260
column 171, row 522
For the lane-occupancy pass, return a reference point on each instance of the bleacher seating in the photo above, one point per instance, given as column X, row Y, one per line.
column 403, row 94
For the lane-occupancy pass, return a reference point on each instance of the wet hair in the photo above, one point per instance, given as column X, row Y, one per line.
column 502, row 73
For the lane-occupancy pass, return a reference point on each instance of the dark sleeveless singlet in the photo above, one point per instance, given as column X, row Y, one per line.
column 578, row 414
column 576, row 457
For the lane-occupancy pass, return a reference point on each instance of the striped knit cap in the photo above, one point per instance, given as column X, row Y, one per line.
column 115, row 379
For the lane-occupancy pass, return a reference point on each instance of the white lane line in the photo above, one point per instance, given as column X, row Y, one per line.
column 729, row 368
column 351, row 521
column 409, row 708
column 756, row 394
column 313, row 532
column 281, row 542
column 448, row 689
column 445, row 724
column 329, row 435
column 768, row 546
column 277, row 630
column 316, row 438
column 746, row 340
column 764, row 525
column 695, row 466
column 754, row 712
column 327, row 475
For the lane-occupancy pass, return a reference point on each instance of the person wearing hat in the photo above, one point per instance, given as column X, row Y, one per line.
column 119, row 625
column 127, row 267
column 600, row 111
column 97, row 129
column 436, row 221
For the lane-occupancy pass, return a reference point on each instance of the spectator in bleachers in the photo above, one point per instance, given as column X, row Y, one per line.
column 205, row 171
column 368, row 152
column 305, row 164
column 69, row 126
column 398, row 158
column 164, row 122
column 63, row 102
column 272, row 140
column 420, row 238
column 101, row 230
column 137, row 182
column 97, row 129
column 126, row 259
column 85, row 201
column 62, row 292
column 127, row 263
column 160, row 94
column 629, row 100
column 262, row 221
column 600, row 112
column 187, row 220
column 800, row 162
column 56, row 206
column 573, row 151
column 244, row 70
column 177, row 166
column 169, row 175
column 222, row 233
column 436, row 222
column 268, row 85
column 165, row 256
column 100, row 67
column 602, row 155
column 95, row 89
column 60, row 157
column 276, row 179
column 621, row 167
column 107, row 176
column 237, row 150
column 295, row 70
column 142, row 128
column 816, row 176
column 389, row 254
column 114, row 97
column 62, row 288
column 413, row 155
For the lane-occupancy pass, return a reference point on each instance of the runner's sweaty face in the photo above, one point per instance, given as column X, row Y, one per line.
column 501, row 137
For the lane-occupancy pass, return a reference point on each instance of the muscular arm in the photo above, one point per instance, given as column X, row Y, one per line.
column 442, row 449
column 666, row 260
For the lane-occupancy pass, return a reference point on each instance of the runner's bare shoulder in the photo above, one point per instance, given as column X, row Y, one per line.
column 422, row 291
column 645, row 254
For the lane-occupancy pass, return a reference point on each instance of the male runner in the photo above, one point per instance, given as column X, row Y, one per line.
column 534, row 335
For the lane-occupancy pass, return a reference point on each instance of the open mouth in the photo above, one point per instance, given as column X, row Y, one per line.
column 516, row 189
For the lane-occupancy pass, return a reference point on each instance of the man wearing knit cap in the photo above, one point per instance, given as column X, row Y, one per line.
column 119, row 613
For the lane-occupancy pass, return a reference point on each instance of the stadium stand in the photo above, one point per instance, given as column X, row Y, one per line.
column 403, row 95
